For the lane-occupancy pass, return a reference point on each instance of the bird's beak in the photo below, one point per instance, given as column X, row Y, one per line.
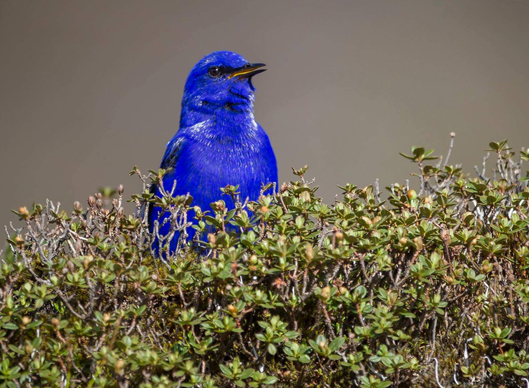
column 248, row 71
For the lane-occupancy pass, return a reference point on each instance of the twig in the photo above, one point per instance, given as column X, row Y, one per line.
column 452, row 137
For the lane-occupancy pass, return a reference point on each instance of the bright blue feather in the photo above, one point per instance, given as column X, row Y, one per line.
column 219, row 143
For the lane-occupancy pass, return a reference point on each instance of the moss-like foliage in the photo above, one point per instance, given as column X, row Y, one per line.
column 424, row 289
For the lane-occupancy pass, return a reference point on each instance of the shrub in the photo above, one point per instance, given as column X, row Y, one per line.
column 427, row 288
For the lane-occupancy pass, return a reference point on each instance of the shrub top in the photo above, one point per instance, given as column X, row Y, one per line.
column 426, row 288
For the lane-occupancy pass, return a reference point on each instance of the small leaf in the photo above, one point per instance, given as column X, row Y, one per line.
column 226, row 371
column 270, row 380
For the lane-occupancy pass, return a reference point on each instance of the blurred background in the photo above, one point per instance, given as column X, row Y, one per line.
column 88, row 89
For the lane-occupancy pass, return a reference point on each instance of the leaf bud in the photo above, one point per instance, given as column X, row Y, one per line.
column 305, row 196
column 121, row 189
column 77, row 207
column 198, row 211
column 419, row 243
column 309, row 252
column 284, row 187
column 91, row 201
column 264, row 209
column 118, row 368
column 19, row 240
column 87, row 261
column 24, row 213
column 445, row 235
column 26, row 320
column 212, row 238
column 326, row 292
column 412, row 194
column 55, row 322
column 232, row 309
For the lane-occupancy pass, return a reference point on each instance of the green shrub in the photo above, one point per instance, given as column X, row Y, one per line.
column 423, row 289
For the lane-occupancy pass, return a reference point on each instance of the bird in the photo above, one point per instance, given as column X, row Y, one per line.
column 218, row 142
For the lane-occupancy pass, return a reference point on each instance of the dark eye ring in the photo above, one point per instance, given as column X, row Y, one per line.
column 214, row 71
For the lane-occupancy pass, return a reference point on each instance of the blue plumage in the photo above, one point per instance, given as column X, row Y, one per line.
column 219, row 143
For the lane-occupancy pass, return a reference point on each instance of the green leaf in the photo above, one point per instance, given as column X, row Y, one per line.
column 247, row 373
column 270, row 380
column 10, row 326
column 336, row 344
column 226, row 371
column 16, row 349
column 291, row 334
column 305, row 359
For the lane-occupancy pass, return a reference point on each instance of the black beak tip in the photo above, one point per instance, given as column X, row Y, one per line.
column 248, row 71
column 259, row 71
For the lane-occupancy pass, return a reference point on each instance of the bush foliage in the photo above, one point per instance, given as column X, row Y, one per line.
column 426, row 288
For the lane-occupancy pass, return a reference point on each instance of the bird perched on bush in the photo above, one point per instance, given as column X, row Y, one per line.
column 219, row 143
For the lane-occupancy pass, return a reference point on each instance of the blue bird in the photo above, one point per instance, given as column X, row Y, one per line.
column 219, row 143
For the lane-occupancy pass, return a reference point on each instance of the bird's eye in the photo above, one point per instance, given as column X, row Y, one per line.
column 214, row 71
column 248, row 65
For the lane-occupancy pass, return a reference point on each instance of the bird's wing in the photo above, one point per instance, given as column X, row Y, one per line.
column 169, row 161
column 183, row 136
column 171, row 152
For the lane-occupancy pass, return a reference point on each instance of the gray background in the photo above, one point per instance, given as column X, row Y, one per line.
column 88, row 89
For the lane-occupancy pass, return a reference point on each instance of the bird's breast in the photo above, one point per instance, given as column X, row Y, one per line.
column 216, row 156
column 226, row 157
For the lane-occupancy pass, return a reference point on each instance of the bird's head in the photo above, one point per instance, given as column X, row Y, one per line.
column 221, row 80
